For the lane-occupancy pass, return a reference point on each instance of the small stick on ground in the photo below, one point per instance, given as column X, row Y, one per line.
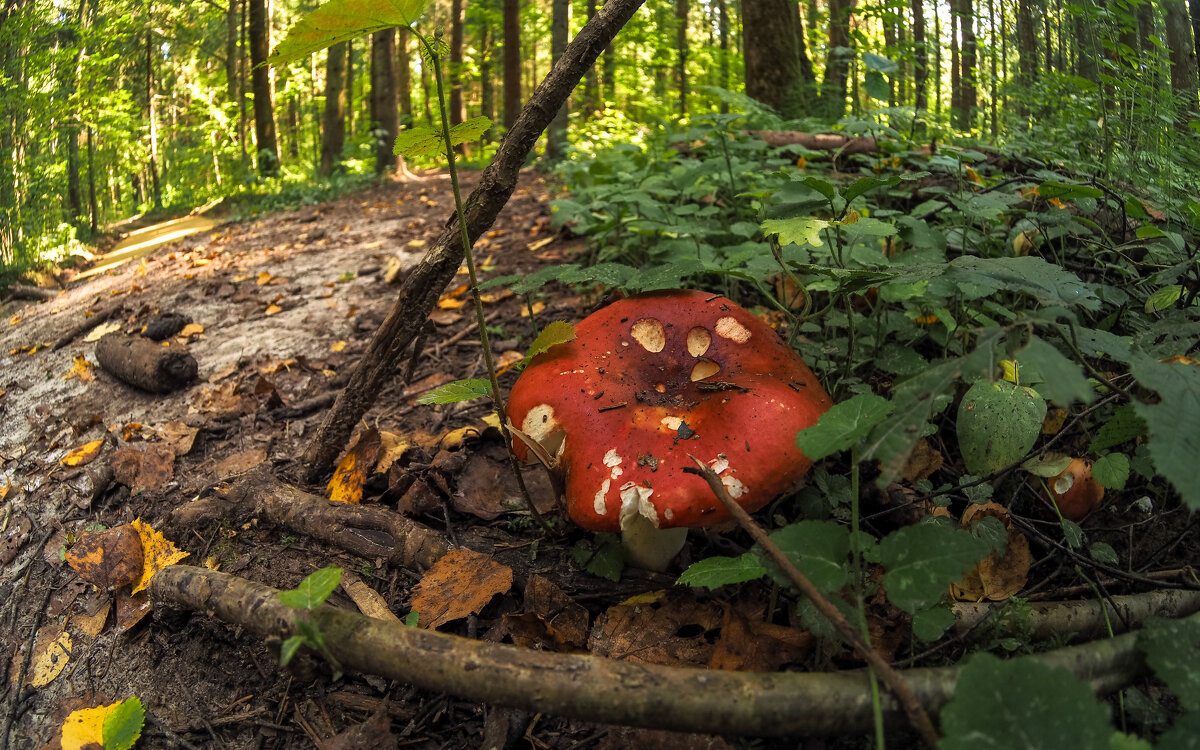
column 891, row 678
column 86, row 326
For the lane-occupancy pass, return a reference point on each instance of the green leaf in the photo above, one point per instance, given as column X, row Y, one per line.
column 1111, row 471
column 1174, row 440
column 930, row 624
column 923, row 560
column 1124, row 425
column 1172, row 649
column 313, row 590
column 715, row 572
column 459, row 390
column 289, row 648
column 843, row 426
column 876, row 85
column 1048, row 283
column 123, row 726
column 1049, row 465
column 412, row 618
column 603, row 556
column 557, row 332
column 1072, row 533
column 880, row 63
column 339, row 20
column 469, row 130
column 1062, row 191
column 1022, row 705
column 1063, row 381
column 799, row 231
column 1103, row 552
column 1185, row 735
column 420, row 141
column 821, row 186
column 865, row 184
column 997, row 425
column 1164, row 298
column 819, row 549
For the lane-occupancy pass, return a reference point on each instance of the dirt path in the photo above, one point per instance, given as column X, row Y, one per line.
column 142, row 242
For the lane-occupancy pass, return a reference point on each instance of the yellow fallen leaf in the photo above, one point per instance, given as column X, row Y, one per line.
column 83, row 455
column 7, row 488
column 85, row 728
column 14, row 320
column 1011, row 370
column 263, row 278
column 51, row 653
column 81, row 369
column 101, row 330
column 274, row 309
column 1057, row 203
column 189, row 330
column 537, row 309
column 346, row 486
column 337, row 346
column 802, row 162
column 450, row 303
column 201, row 262
column 240, row 278
column 158, row 551
column 141, row 269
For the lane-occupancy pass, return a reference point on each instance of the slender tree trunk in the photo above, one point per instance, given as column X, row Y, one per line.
column 152, row 117
column 920, row 59
column 512, row 61
column 723, row 64
column 383, row 99
column 243, row 74
column 591, row 81
column 334, row 120
column 1194, row 12
column 806, row 67
column 994, row 84
column 91, row 158
column 231, row 51
column 889, row 41
column 293, row 121
column 425, row 93
column 904, row 71
column 1085, row 47
column 74, row 184
column 1026, row 44
column 404, row 79
column 837, row 62
column 937, row 62
column 968, row 63
column 1183, row 52
column 955, row 67
column 681, row 46
column 487, row 94
column 772, row 59
column 260, row 80
column 349, row 86
column 556, row 134
column 457, row 111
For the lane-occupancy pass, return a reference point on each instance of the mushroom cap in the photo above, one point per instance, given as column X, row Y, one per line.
column 652, row 378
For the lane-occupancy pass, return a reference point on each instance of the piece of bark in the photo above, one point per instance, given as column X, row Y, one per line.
column 165, row 326
column 144, row 364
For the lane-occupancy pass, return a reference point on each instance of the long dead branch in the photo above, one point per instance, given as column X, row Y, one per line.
column 602, row 690
column 421, row 288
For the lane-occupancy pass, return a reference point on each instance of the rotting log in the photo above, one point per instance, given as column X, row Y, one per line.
column 601, row 690
column 424, row 284
column 145, row 364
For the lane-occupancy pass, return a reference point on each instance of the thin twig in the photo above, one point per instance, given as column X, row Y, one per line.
column 916, row 713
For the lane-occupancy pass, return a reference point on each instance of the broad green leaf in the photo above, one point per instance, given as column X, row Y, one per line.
column 1049, row 465
column 1063, row 381
column 930, row 624
column 1164, row 298
column 412, row 618
column 821, row 186
column 1111, row 471
column 880, row 63
column 608, row 274
column 1103, row 552
column 557, row 332
column 313, row 590
column 339, row 20
column 1124, row 425
column 603, row 556
column 876, row 85
column 419, row 141
column 800, row 231
column 459, row 390
column 1048, row 283
column 1022, row 705
column 123, row 726
column 288, row 649
column 714, row 572
column 469, row 130
column 541, row 277
column 819, row 549
column 1051, row 189
column 865, row 184
column 666, row 276
column 1172, row 649
column 843, row 426
column 1174, row 440
column 922, row 561
column 997, row 425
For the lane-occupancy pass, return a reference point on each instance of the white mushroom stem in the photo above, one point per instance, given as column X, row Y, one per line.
column 647, row 546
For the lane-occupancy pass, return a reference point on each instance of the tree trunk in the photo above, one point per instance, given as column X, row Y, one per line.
column 425, row 95
column 837, row 62
column 560, row 20
column 93, row 224
column 457, row 112
column 153, row 119
column 937, row 62
column 260, row 81
column 591, row 81
column 969, row 97
column 512, row 61
column 681, row 45
column 994, row 84
column 486, row 90
column 889, row 42
column 404, row 78
column 334, row 121
column 920, row 59
column 231, row 51
column 1183, row 52
column 955, row 66
column 243, row 74
column 1194, row 11
column 772, row 57
column 1026, row 45
column 1085, row 47
column 74, row 183
column 383, row 99
column 350, row 86
column 723, row 64
column 806, row 66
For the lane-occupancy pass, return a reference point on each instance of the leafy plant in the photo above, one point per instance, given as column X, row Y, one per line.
column 307, row 596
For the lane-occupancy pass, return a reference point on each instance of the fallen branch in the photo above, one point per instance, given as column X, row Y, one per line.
column 422, row 287
column 913, row 709
column 1087, row 618
column 87, row 325
column 145, row 364
column 27, row 292
column 595, row 689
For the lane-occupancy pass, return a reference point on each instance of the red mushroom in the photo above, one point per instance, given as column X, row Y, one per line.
column 650, row 379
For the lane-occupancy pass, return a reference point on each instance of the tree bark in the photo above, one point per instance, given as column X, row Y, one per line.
column 423, row 285
column 560, row 22
column 969, row 97
column 383, row 99
column 920, row 59
column 512, row 62
column 1183, row 52
column 487, row 95
column 591, row 81
column 333, row 137
column 145, row 364
column 93, row 213
column 681, row 47
column 153, row 119
column 404, row 78
column 837, row 62
column 231, row 51
column 267, row 146
column 1085, row 47
column 1027, row 62
column 723, row 64
column 772, row 57
column 1194, row 12
column 457, row 112
column 243, row 74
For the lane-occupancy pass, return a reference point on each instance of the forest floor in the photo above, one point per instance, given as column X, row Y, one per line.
column 281, row 306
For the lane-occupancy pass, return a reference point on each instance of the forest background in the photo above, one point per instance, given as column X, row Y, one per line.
column 111, row 107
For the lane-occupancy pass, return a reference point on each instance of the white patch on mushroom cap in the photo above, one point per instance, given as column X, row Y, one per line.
column 650, row 334
column 540, row 424
column 735, row 487
column 705, row 368
column 613, row 461
column 698, row 341
column 730, row 329
column 719, row 464
column 635, row 501
column 672, row 423
column 598, row 504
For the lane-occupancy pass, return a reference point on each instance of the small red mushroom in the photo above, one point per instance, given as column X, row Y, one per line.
column 1075, row 492
column 650, row 379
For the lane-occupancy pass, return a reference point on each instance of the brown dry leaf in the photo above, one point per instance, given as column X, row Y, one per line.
column 82, row 369
column 84, row 454
column 445, row 317
column 131, row 608
column 100, row 331
column 190, row 330
column 922, row 462
column 92, row 625
column 368, row 600
column 109, row 559
column 144, row 467
column 995, row 577
column 346, row 486
column 1054, row 421
column 567, row 618
column 450, row 303
column 748, row 644
column 649, row 631
column 240, row 462
column 224, row 400
column 506, row 360
column 459, row 584
column 51, row 652
column 491, row 297
column 178, row 436
column 391, row 447
column 14, row 538
column 158, row 553
column 129, row 431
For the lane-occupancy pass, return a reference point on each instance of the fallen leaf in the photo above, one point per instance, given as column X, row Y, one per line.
column 649, row 631
column 747, row 644
column 190, row 330
column 538, row 307
column 51, row 652
column 178, row 436
column 92, row 625
column 368, row 600
column 84, row 454
column 14, row 320
column 143, row 467
column 263, row 278
column 491, row 297
column 158, row 553
column 6, row 488
column 1054, row 421
column 373, row 734
column 130, row 609
column 346, row 486
column 450, row 303
column 14, row 538
column 507, row 359
column 391, row 447
column 459, row 584
column 445, row 317
column 996, row 577
column 81, row 369
column 101, row 330
column 272, row 309
column 109, row 559
column 924, row 460
column 338, row 346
